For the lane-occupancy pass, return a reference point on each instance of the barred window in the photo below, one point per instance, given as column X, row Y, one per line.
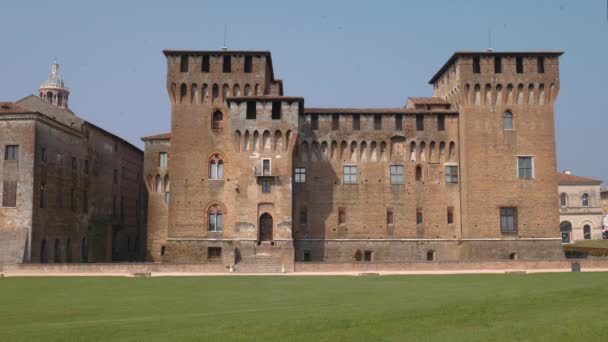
column 215, row 219
column 397, row 174
column 508, row 220
column 266, row 185
column 11, row 152
column 300, row 175
column 524, row 165
column 451, row 174
column 350, row 174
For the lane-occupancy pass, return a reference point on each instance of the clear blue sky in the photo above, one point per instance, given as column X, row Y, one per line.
column 334, row 53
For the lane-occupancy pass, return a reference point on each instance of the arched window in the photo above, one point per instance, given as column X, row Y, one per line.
column 218, row 119
column 585, row 200
column 507, row 120
column 247, row 90
column 562, row 199
column 587, row 232
column 412, row 151
column 451, row 151
column 216, row 167
column 183, row 91
column 215, row 217
column 215, row 90
column 418, row 173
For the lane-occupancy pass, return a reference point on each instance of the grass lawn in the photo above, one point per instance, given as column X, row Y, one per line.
column 515, row 307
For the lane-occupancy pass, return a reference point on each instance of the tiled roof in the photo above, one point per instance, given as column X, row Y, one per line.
column 162, row 136
column 566, row 179
column 13, row 108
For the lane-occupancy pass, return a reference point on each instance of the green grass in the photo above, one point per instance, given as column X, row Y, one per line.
column 590, row 244
column 514, row 307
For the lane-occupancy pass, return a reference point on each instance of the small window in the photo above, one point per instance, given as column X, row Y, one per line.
column 587, row 232
column 205, row 67
column 476, row 65
column 367, row 256
column 377, row 122
column 251, row 110
column 540, row 62
column 266, row 167
column 430, row 256
column 303, row 216
column 441, row 122
column 162, row 159
column 314, row 122
column 398, row 122
column 450, row 215
column 562, row 200
column 497, row 64
column 397, row 174
column 43, row 154
column 216, row 167
column 227, row 66
column 276, row 111
column 451, row 174
column 419, row 217
column 162, row 250
column 585, row 200
column 418, row 173
column 341, row 215
column 115, row 176
column 519, row 64
column 350, row 174
column 524, row 165
column 335, row 122
column 214, row 253
column 218, row 119
column 307, row 257
column 389, row 215
column 300, row 175
column 508, row 220
column 419, row 122
column 42, row 195
column 507, row 120
column 356, row 122
column 266, row 185
column 248, row 64
column 183, row 63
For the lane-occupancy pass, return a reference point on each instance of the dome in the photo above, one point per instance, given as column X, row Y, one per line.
column 54, row 80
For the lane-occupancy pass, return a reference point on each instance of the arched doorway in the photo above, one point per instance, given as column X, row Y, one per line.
column 566, row 230
column 587, row 232
column 265, row 227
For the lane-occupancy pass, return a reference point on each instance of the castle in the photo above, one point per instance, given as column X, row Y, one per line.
column 249, row 177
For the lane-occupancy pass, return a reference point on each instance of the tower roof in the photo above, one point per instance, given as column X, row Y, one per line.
column 54, row 80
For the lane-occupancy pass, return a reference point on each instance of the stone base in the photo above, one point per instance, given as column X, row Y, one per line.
column 427, row 250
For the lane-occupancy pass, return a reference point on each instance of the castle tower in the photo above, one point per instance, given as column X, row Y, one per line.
column 53, row 90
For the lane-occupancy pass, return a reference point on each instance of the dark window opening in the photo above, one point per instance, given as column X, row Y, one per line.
column 248, row 64
column 508, row 220
column 389, row 215
column 227, row 67
column 314, row 122
column 497, row 64
column 367, row 256
column 74, row 164
column 419, row 122
column 541, row 64
column 162, row 250
column 356, row 122
column 73, row 200
column 519, row 64
column 303, row 216
column 115, row 176
column 399, row 122
column 85, row 202
column 214, row 253
column 218, row 119
column 418, row 173
column 86, row 166
column 476, row 65
column 341, row 215
column 419, row 217
column 450, row 215
column 441, row 122
column 430, row 256
column 205, row 67
column 335, row 122
column 513, row 256
column 251, row 110
column 307, row 257
column 266, row 185
column 183, row 63
column 377, row 122
column 276, row 111
column 11, row 152
column 358, row 255
column 43, row 154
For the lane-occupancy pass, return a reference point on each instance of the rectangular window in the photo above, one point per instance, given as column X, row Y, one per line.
column 214, row 253
column 276, row 111
column 303, row 216
column 397, row 174
column 11, row 152
column 9, row 193
column 227, row 66
column 356, row 122
column 300, row 175
column 266, row 167
column 85, row 202
column 115, row 176
column 519, row 64
column 42, row 195
column 86, row 166
column 377, row 122
column 350, row 174
column 476, row 65
column 248, row 64
column 74, row 164
column 266, row 185
column 540, row 62
column 251, row 110
column 451, row 174
column 162, row 159
column 419, row 122
column 508, row 220
column 524, row 166
column 450, row 215
column 307, row 257
column 497, row 64
column 398, row 122
column 183, row 63
column 335, row 122
column 367, row 256
column 314, row 122
column 441, row 122
column 341, row 215
column 43, row 154
column 419, row 218
column 389, row 215
column 205, row 67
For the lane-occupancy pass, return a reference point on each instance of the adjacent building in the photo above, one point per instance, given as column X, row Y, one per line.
column 70, row 191
column 580, row 213
column 249, row 176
